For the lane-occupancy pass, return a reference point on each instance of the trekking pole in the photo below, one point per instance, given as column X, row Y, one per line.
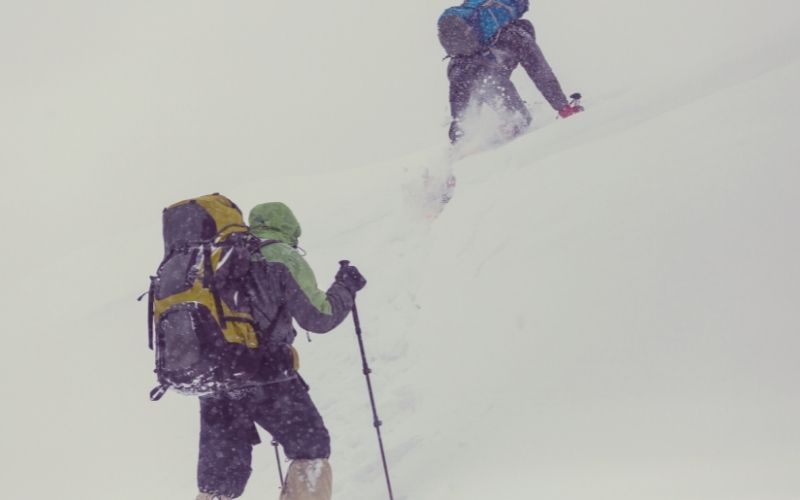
column 278, row 459
column 366, row 369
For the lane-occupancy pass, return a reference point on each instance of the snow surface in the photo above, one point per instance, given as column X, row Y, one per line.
column 607, row 309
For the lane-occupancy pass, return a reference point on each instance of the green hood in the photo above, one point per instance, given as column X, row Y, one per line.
column 274, row 221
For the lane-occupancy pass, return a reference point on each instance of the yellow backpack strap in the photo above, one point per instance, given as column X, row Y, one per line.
column 208, row 279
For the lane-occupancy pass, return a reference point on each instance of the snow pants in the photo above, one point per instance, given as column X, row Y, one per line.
column 485, row 78
column 483, row 82
column 228, row 432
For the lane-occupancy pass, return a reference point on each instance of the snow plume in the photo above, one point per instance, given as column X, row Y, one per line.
column 429, row 184
column 487, row 123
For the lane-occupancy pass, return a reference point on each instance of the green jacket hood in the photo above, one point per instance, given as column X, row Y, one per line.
column 274, row 221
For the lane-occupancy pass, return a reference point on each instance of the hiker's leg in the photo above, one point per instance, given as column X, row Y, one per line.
column 227, row 436
column 286, row 411
column 502, row 95
column 462, row 73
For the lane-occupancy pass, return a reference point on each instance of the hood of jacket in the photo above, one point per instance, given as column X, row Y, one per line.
column 274, row 221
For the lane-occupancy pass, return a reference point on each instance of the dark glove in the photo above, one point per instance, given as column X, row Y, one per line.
column 349, row 277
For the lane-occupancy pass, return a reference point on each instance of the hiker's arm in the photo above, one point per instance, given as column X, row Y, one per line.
column 313, row 309
column 535, row 64
column 338, row 303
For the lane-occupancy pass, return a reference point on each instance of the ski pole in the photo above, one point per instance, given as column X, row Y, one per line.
column 278, row 459
column 366, row 369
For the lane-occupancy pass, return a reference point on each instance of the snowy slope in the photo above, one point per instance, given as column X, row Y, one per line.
column 606, row 309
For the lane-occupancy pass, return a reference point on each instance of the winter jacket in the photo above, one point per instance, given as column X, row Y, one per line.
column 283, row 287
column 515, row 44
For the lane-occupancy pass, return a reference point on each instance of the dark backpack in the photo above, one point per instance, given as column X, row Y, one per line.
column 200, row 324
column 471, row 26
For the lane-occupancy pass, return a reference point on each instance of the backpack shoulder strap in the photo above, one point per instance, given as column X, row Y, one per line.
column 256, row 245
column 274, row 322
column 267, row 243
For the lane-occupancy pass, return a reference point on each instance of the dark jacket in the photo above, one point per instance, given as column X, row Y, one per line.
column 284, row 288
column 487, row 74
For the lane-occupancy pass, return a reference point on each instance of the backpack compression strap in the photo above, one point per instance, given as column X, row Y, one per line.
column 159, row 391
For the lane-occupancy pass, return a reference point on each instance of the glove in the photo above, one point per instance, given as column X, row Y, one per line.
column 570, row 110
column 349, row 277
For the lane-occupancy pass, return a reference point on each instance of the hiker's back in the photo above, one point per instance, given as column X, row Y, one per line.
column 472, row 26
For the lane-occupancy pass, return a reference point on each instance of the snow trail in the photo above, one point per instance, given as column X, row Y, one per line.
column 606, row 308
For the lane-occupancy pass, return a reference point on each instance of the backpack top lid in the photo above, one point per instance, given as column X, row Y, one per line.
column 471, row 26
column 458, row 31
column 201, row 219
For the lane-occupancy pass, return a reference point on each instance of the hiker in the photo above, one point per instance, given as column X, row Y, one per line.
column 481, row 73
column 283, row 288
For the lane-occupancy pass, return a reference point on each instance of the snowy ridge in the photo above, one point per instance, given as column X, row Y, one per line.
column 607, row 308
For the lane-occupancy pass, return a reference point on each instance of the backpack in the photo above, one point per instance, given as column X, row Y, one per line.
column 471, row 26
column 200, row 324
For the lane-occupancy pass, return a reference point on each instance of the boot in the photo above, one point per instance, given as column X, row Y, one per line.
column 212, row 496
column 308, row 480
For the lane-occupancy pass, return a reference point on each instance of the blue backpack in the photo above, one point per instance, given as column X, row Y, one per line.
column 471, row 26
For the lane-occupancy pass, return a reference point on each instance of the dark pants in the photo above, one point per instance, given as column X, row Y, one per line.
column 485, row 78
column 228, row 432
column 484, row 83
